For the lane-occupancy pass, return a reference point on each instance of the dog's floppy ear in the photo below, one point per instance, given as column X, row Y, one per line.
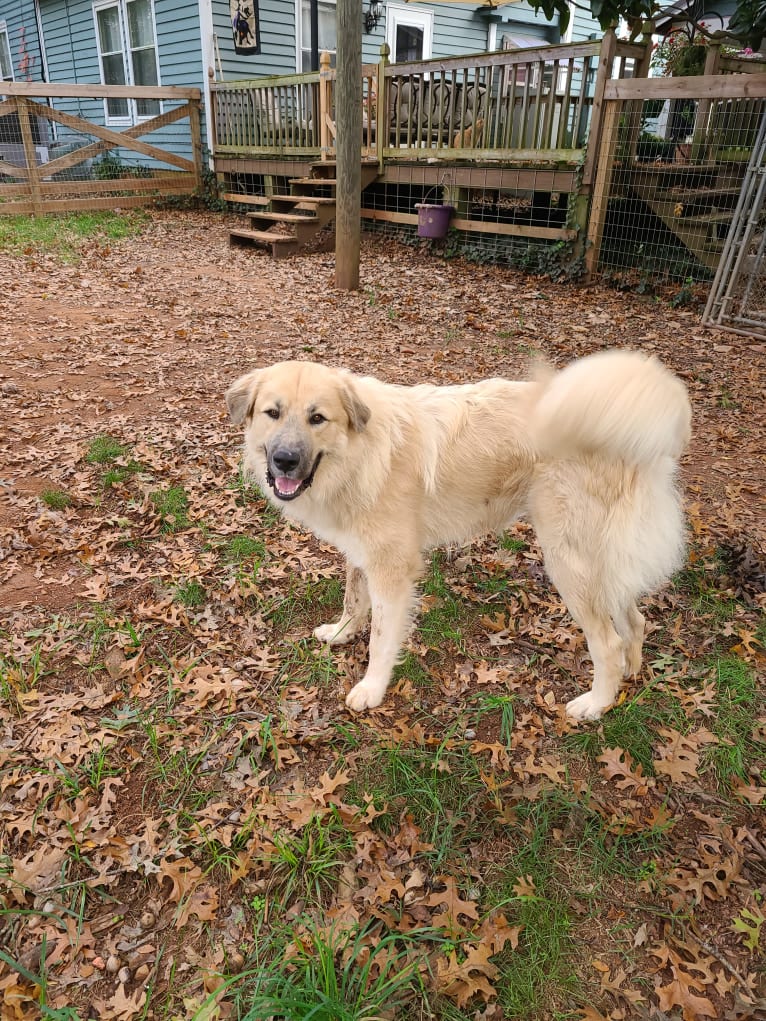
column 357, row 411
column 241, row 395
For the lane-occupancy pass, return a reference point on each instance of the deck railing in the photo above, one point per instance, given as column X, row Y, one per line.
column 514, row 105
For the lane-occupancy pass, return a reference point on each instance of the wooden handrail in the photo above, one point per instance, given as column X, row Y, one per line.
column 55, row 90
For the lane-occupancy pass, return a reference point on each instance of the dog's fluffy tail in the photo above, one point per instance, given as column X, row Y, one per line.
column 620, row 404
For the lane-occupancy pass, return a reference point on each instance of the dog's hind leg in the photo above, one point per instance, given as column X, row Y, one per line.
column 630, row 627
column 607, row 652
column 392, row 597
column 356, row 610
column 581, row 593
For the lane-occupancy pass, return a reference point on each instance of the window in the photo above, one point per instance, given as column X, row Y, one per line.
column 127, row 49
column 6, row 64
column 328, row 38
column 408, row 34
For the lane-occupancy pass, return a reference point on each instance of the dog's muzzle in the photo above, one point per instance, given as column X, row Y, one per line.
column 285, row 472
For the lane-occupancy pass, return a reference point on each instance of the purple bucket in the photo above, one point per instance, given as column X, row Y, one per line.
column 433, row 221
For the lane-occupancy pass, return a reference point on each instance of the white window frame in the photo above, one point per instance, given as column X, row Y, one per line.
column 5, row 40
column 299, row 47
column 410, row 18
column 133, row 116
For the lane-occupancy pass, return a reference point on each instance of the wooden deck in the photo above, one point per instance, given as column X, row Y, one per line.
column 514, row 121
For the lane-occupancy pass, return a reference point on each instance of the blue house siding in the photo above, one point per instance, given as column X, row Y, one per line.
column 278, row 53
column 21, row 24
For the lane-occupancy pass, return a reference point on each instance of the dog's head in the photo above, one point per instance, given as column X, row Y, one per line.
column 296, row 415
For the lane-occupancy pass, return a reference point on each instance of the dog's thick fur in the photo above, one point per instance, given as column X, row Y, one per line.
column 384, row 472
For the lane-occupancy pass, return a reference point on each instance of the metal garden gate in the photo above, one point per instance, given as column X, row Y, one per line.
column 737, row 300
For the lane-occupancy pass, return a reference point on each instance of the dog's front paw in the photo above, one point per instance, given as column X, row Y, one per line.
column 365, row 695
column 586, row 707
column 334, row 634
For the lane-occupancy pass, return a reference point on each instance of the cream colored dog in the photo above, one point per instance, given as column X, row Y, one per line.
column 385, row 472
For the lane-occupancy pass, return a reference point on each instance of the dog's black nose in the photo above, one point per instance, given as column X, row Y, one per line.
column 285, row 460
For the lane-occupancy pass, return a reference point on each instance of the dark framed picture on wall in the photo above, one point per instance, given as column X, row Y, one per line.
column 245, row 26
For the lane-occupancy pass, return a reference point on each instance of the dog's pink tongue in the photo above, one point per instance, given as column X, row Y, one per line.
column 287, row 486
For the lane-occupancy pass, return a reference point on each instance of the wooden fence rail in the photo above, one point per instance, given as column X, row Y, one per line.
column 49, row 155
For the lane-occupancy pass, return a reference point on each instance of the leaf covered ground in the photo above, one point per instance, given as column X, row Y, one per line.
column 192, row 825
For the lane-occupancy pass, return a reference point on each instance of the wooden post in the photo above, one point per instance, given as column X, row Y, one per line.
column 381, row 113
column 30, row 156
column 348, row 119
column 699, row 132
column 196, row 143
column 325, row 103
column 632, row 111
column 603, row 74
column 607, row 146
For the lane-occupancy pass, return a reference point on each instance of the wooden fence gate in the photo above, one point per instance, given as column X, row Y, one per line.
column 737, row 298
column 58, row 155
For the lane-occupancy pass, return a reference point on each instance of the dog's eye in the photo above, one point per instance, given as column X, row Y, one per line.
column 272, row 412
column 316, row 419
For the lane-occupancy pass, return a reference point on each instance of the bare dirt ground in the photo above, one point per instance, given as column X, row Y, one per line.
column 138, row 341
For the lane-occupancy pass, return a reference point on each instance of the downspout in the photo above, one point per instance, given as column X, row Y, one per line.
column 40, row 42
column 314, row 24
column 207, row 46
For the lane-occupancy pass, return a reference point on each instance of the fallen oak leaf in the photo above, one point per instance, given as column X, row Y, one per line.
column 618, row 763
column 462, row 980
column 679, row 756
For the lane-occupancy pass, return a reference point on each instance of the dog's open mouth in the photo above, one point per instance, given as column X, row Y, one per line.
column 286, row 488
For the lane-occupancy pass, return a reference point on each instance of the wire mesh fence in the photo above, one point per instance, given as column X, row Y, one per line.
column 77, row 147
column 671, row 171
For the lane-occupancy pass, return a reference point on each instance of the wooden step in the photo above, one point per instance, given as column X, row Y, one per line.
column 280, row 244
column 293, row 201
column 246, row 200
column 325, row 182
column 278, row 217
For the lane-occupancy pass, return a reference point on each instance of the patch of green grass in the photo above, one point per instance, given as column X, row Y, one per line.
column 447, row 614
column 512, row 543
column 633, row 726
column 103, row 449
column 64, row 235
column 308, row 663
column 172, row 506
column 56, row 499
column 19, row 675
column 739, row 702
column 700, row 579
column 335, row 974
column 503, row 706
column 191, row 594
column 411, row 667
column 121, row 473
column 307, row 605
column 440, row 788
column 241, row 548
column 560, row 849
column 306, row 865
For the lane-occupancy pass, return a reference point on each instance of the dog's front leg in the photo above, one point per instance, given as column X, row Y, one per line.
column 392, row 602
column 356, row 609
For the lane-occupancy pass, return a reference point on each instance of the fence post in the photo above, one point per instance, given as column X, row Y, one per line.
column 30, row 156
column 603, row 74
column 699, row 131
column 381, row 107
column 196, row 142
column 601, row 190
column 325, row 104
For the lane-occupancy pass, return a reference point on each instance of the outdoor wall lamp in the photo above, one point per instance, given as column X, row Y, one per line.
column 372, row 15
